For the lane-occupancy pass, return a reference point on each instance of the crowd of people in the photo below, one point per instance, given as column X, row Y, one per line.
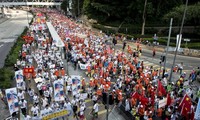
column 120, row 73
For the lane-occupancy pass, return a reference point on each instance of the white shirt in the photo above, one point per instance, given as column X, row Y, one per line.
column 96, row 108
column 23, row 104
column 21, row 95
column 27, row 117
column 35, row 98
column 35, row 110
column 31, row 92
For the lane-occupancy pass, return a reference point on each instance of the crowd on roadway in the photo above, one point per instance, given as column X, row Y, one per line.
column 118, row 72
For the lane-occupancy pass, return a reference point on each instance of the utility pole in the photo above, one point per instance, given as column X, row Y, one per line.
column 170, row 78
column 144, row 17
column 166, row 52
column 107, row 106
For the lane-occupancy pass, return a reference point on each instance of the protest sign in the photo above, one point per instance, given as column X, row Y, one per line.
column 58, row 90
column 83, row 66
column 76, row 83
column 12, row 99
column 19, row 76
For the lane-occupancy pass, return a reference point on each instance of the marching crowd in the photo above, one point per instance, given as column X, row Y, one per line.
column 120, row 73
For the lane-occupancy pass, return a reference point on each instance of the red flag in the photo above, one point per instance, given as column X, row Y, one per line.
column 144, row 100
column 135, row 95
column 161, row 88
column 169, row 100
column 185, row 105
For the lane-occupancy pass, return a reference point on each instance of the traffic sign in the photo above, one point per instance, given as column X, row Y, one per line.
column 187, row 40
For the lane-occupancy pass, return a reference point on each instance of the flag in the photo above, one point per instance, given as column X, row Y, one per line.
column 31, row 70
column 161, row 88
column 185, row 105
column 197, row 113
column 83, row 66
column 25, row 70
column 169, row 100
column 135, row 95
column 144, row 100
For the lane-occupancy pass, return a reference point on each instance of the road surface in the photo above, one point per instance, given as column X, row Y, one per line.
column 10, row 30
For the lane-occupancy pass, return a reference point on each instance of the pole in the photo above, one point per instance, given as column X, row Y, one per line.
column 170, row 29
column 107, row 106
column 160, row 70
column 178, row 40
column 27, row 15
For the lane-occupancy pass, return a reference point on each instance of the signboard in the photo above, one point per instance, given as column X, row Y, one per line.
column 19, row 76
column 55, row 115
column 162, row 103
column 58, row 90
column 76, row 83
column 187, row 40
column 12, row 99
column 83, row 66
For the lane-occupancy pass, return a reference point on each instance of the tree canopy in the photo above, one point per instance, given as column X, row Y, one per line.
column 132, row 10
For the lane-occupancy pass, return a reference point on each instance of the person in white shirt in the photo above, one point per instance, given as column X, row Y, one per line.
column 94, row 98
column 21, row 95
column 35, row 110
column 95, row 110
column 35, row 99
column 44, row 102
column 27, row 117
column 47, row 95
column 81, row 112
column 31, row 94
column 55, row 105
column 39, row 86
column 23, row 106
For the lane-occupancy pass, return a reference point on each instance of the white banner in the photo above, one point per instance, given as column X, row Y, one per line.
column 19, row 76
column 58, row 90
column 83, row 66
column 162, row 102
column 76, row 83
column 12, row 99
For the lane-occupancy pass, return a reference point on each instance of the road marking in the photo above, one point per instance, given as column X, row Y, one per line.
column 1, row 45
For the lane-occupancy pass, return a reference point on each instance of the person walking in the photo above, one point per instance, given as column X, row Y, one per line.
column 154, row 52
column 124, row 45
column 23, row 106
column 180, row 67
column 95, row 110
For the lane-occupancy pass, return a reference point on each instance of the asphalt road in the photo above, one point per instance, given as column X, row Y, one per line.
column 10, row 30
column 188, row 62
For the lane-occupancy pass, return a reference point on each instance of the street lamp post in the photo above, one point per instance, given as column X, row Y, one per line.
column 178, row 40
column 170, row 29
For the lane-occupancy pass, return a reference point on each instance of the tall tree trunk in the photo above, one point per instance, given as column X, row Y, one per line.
column 144, row 17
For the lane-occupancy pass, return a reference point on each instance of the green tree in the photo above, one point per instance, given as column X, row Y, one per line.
column 65, row 5
column 192, row 15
